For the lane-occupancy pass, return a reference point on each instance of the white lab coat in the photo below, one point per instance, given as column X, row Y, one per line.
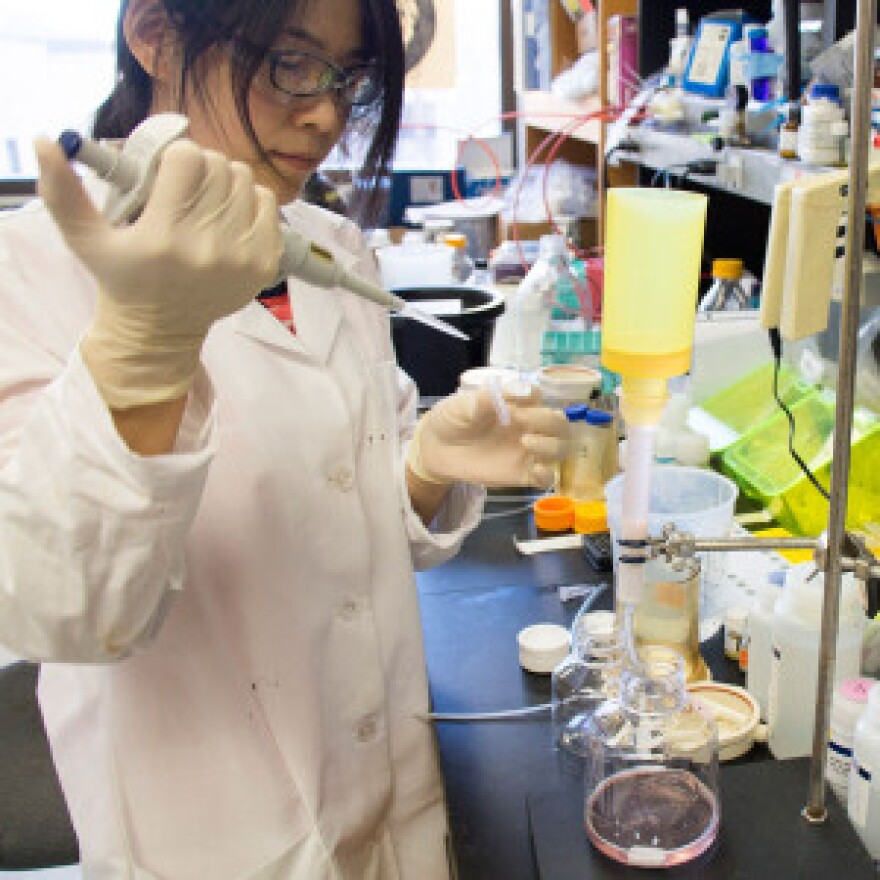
column 236, row 623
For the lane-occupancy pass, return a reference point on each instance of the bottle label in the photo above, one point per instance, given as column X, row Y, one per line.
column 788, row 143
column 838, row 763
column 859, row 794
column 773, row 689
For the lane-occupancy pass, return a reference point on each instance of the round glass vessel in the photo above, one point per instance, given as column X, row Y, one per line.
column 652, row 797
column 589, row 675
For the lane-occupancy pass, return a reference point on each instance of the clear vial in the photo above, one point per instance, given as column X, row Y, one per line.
column 726, row 292
column 462, row 264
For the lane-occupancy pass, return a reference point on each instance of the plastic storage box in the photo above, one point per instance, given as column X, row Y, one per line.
column 749, row 402
column 762, row 466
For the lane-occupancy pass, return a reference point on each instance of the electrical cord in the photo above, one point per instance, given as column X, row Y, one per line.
column 776, row 345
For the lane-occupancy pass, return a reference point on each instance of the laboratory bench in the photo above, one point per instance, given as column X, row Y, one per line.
column 515, row 811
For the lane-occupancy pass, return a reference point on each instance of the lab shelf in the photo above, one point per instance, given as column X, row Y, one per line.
column 750, row 172
column 546, row 111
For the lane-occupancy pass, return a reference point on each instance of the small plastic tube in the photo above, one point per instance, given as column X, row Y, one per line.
column 501, row 408
column 636, row 498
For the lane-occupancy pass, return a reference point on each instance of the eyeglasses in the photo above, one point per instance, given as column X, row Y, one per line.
column 299, row 74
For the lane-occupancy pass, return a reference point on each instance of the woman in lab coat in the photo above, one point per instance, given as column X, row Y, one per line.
column 209, row 522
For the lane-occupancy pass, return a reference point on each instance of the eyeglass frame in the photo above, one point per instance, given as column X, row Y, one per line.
column 342, row 77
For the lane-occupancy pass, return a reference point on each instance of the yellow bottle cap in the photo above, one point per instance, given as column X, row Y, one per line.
column 731, row 269
column 590, row 516
column 456, row 240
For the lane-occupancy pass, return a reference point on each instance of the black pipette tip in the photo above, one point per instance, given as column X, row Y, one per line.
column 71, row 143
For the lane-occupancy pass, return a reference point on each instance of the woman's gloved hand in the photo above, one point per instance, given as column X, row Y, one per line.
column 206, row 243
column 463, row 439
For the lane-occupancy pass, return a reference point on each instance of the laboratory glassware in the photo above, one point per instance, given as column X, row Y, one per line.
column 669, row 612
column 591, row 457
column 462, row 264
column 589, row 675
column 726, row 293
column 652, row 796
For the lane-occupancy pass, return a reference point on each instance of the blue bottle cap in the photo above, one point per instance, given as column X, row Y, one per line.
column 825, row 90
column 598, row 417
column 577, row 412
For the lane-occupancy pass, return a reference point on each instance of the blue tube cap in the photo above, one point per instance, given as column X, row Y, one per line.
column 825, row 90
column 598, row 417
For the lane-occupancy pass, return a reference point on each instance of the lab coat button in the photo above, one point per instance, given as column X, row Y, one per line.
column 366, row 730
column 343, row 478
column 349, row 609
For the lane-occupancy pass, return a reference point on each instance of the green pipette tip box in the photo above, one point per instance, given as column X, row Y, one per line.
column 760, row 463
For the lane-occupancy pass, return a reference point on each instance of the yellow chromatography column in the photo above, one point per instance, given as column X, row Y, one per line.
column 654, row 239
column 653, row 244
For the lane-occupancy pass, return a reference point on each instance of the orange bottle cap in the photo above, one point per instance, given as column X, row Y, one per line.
column 554, row 513
column 729, row 269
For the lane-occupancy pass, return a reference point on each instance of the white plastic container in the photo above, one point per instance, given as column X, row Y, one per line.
column 759, row 644
column 415, row 264
column 519, row 333
column 822, row 132
column 794, row 666
column 848, row 703
column 863, row 795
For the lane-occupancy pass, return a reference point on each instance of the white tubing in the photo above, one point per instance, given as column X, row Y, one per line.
column 639, row 459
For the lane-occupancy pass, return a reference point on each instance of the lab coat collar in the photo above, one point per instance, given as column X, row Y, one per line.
column 317, row 311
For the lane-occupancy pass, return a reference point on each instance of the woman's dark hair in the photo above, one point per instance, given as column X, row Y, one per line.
column 252, row 26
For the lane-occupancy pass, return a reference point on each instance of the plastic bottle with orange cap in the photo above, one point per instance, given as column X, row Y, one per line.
column 727, row 292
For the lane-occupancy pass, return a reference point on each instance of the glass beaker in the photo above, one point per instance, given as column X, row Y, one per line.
column 669, row 612
column 652, row 797
column 589, row 675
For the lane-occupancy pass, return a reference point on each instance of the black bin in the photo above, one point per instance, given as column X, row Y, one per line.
column 434, row 359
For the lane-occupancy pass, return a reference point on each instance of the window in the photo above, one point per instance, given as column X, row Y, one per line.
column 56, row 66
column 437, row 116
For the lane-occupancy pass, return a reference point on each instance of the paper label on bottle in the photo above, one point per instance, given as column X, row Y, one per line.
column 838, row 762
column 708, row 57
column 859, row 794
column 773, row 688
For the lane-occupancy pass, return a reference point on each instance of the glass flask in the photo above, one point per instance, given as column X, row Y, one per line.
column 652, row 797
column 669, row 612
column 589, row 675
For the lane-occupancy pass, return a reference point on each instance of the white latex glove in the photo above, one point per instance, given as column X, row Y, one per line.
column 462, row 439
column 206, row 243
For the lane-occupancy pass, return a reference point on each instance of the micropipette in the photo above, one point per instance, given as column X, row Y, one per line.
column 131, row 170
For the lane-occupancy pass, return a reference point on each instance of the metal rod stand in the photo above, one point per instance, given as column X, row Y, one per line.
column 815, row 810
